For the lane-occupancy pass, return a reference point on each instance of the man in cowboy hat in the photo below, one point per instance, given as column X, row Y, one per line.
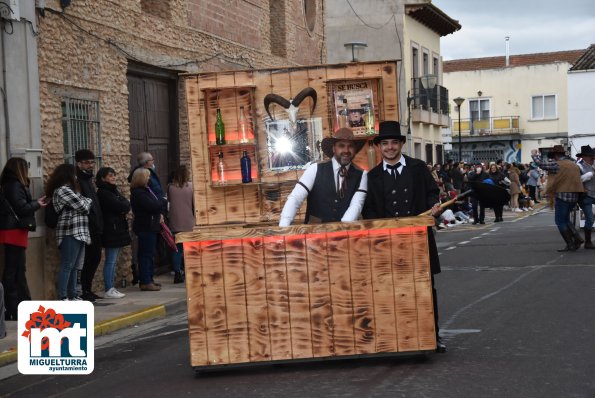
column 564, row 180
column 335, row 189
column 585, row 163
column 401, row 186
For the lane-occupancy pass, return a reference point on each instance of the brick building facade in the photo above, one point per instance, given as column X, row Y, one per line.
column 108, row 76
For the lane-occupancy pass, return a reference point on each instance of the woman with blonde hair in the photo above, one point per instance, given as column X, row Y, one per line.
column 515, row 187
column 148, row 212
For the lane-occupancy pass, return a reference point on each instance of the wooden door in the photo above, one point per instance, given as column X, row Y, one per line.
column 152, row 120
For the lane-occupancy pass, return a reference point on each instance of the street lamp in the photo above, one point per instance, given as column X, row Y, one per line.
column 355, row 45
column 409, row 138
column 459, row 101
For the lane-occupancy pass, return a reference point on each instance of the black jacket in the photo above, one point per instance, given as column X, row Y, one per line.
column 114, row 208
column 425, row 195
column 88, row 191
column 147, row 210
column 474, row 177
column 19, row 198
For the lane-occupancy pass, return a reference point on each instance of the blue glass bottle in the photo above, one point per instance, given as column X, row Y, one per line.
column 246, row 166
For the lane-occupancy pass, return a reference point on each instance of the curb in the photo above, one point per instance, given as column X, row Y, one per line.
column 112, row 325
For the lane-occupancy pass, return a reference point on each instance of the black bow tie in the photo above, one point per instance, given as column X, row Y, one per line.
column 393, row 169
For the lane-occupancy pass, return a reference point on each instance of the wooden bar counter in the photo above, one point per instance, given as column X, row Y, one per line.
column 322, row 291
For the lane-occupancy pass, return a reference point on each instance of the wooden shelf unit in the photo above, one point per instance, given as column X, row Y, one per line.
column 229, row 100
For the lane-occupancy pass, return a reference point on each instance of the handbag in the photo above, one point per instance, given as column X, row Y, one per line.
column 20, row 223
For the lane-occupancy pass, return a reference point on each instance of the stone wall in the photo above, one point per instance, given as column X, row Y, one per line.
column 84, row 51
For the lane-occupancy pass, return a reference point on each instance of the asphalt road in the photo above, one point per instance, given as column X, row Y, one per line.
column 517, row 316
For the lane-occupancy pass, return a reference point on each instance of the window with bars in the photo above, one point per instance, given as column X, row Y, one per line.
column 81, row 128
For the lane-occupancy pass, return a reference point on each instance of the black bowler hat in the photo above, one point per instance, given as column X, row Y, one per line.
column 389, row 129
column 586, row 150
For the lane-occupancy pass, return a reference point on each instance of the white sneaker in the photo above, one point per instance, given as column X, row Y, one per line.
column 113, row 294
column 120, row 293
column 530, row 209
column 517, row 210
column 77, row 298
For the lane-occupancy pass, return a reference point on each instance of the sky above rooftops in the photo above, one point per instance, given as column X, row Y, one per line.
column 534, row 26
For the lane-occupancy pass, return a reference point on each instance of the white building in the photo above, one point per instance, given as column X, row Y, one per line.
column 512, row 104
column 581, row 102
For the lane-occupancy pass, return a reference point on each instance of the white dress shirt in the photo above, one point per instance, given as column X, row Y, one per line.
column 299, row 194
column 399, row 169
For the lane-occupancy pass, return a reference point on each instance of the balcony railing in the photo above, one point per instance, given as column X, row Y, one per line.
column 435, row 99
column 429, row 106
column 493, row 126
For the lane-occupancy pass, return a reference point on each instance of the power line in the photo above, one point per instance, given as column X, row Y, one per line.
column 131, row 56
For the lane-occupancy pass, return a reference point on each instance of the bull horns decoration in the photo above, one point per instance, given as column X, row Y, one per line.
column 291, row 106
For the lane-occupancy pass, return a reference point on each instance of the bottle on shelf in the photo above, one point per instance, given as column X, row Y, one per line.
column 243, row 126
column 246, row 167
column 343, row 116
column 219, row 129
column 221, row 169
column 370, row 122
column 371, row 155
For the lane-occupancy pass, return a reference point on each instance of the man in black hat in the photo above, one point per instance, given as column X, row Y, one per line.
column 335, row 189
column 402, row 186
column 85, row 163
column 564, row 180
column 585, row 163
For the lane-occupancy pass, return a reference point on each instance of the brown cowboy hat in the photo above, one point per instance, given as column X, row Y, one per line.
column 586, row 150
column 389, row 129
column 342, row 134
column 558, row 149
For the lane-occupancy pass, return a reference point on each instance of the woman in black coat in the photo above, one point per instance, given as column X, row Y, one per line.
column 114, row 208
column 148, row 211
column 17, row 219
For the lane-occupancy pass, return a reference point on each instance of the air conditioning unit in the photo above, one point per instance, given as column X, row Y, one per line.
column 10, row 9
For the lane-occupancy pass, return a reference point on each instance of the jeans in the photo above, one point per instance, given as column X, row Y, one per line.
column 562, row 212
column 109, row 268
column 71, row 251
column 587, row 206
column 147, row 241
column 176, row 257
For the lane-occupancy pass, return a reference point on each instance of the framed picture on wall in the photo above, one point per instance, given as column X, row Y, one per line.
column 354, row 107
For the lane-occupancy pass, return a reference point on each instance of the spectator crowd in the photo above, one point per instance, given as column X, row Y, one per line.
column 91, row 220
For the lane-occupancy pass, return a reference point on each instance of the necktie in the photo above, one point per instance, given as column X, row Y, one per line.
column 394, row 169
column 342, row 173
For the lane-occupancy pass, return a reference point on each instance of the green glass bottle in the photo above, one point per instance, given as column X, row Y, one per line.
column 219, row 129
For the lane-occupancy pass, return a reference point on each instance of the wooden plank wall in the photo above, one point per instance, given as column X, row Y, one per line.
column 262, row 202
column 309, row 295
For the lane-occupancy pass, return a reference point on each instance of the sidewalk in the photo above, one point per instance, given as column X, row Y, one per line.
column 116, row 314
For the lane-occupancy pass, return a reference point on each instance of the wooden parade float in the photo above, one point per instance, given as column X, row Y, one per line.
column 258, row 293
